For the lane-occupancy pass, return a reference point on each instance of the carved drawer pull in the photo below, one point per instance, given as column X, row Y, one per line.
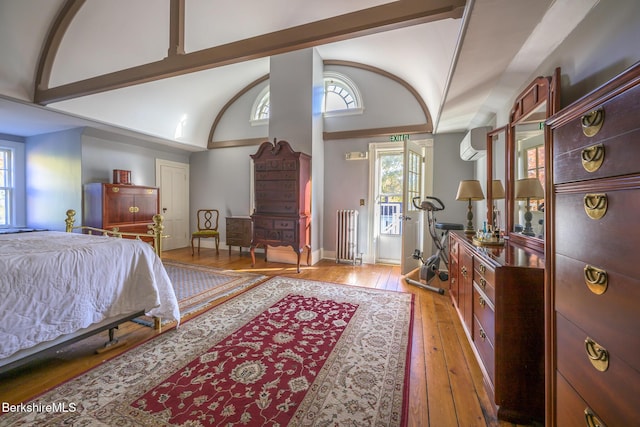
column 592, row 122
column 591, row 419
column 596, row 279
column 598, row 355
column 592, row 157
column 595, row 205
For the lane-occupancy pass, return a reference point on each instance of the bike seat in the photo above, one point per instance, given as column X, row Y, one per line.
column 449, row 226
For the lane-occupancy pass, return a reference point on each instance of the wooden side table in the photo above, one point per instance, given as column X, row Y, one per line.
column 239, row 232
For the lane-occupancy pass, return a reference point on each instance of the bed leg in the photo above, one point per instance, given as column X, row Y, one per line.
column 112, row 343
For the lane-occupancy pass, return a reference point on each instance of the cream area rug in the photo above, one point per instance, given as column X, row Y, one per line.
column 287, row 352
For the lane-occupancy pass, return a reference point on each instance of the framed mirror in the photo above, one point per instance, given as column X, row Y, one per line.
column 528, row 154
column 496, row 167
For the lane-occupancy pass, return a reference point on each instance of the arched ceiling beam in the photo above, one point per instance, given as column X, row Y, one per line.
column 426, row 127
column 397, row 14
column 52, row 43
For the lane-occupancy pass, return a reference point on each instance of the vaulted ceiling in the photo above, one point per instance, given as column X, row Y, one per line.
column 137, row 67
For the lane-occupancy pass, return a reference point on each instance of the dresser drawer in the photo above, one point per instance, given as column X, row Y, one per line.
column 485, row 277
column 276, row 207
column 618, row 136
column 271, row 196
column 608, row 238
column 612, row 394
column 485, row 348
column 275, row 175
column 484, row 311
column 610, row 316
column 616, row 156
column 284, row 224
column 276, row 165
column 570, row 406
column 280, row 185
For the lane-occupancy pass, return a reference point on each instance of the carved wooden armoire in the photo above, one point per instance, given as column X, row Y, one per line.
column 282, row 214
column 129, row 208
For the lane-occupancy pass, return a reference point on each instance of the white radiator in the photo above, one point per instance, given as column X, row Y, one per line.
column 347, row 236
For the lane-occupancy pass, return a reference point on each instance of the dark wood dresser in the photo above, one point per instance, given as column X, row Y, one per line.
column 593, row 370
column 498, row 293
column 129, row 208
column 238, row 232
column 282, row 214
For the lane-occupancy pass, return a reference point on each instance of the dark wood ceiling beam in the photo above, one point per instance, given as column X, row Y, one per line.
column 389, row 16
column 176, row 28
column 52, row 43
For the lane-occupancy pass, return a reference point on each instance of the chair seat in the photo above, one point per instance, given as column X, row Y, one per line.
column 205, row 233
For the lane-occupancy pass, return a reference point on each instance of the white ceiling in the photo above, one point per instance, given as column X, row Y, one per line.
column 464, row 69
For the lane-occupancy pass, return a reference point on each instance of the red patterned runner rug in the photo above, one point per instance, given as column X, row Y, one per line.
column 288, row 352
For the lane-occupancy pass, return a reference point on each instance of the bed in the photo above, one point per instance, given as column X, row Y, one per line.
column 59, row 287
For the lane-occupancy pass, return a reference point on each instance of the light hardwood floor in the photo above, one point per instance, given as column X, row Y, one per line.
column 446, row 387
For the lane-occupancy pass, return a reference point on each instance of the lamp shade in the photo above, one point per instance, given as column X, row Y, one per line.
column 470, row 189
column 529, row 188
column 497, row 190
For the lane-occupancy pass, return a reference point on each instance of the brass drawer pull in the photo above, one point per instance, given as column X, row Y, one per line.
column 598, row 355
column 483, row 334
column 483, row 283
column 463, row 270
column 592, row 122
column 596, row 279
column 483, row 269
column 591, row 419
column 592, row 157
column 595, row 205
column 482, row 302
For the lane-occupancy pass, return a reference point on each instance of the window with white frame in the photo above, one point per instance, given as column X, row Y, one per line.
column 6, row 186
column 260, row 110
column 341, row 97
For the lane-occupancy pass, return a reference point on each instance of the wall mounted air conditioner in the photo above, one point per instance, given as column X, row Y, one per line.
column 474, row 144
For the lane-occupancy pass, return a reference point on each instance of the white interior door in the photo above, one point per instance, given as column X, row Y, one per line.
column 412, row 230
column 173, row 180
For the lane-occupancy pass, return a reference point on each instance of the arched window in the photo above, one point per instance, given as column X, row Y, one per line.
column 341, row 97
column 260, row 110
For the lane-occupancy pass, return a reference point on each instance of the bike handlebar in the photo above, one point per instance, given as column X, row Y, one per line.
column 427, row 205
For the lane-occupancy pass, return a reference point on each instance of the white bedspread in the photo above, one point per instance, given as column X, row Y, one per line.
column 53, row 283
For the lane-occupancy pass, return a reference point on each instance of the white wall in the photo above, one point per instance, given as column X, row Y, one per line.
column 53, row 181
column 19, row 208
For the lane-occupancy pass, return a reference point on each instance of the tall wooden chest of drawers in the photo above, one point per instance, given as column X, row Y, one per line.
column 129, row 208
column 593, row 374
column 498, row 293
column 238, row 231
column 282, row 214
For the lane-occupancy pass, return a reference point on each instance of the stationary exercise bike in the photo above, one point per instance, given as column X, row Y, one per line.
column 431, row 266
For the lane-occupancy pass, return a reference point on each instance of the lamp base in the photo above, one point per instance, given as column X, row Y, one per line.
column 469, row 231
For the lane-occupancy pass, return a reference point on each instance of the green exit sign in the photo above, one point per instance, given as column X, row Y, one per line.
column 402, row 137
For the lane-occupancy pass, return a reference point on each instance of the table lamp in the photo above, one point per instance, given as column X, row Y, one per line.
column 470, row 190
column 527, row 189
column 497, row 192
